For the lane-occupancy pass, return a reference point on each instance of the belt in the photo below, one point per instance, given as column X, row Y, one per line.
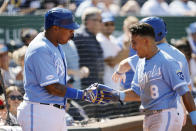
column 151, row 112
column 55, row 105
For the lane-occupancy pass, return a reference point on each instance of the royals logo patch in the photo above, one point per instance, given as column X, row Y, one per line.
column 180, row 75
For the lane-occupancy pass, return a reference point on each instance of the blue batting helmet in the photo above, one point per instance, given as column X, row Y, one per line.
column 60, row 17
column 158, row 25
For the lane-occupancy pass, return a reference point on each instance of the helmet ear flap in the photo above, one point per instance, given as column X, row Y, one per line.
column 160, row 34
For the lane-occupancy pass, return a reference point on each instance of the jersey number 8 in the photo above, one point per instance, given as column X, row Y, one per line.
column 154, row 91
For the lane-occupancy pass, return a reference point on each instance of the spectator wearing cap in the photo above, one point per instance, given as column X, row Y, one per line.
column 109, row 46
column 88, row 48
column 112, row 57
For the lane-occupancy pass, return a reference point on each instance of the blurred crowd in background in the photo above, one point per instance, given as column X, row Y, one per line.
column 94, row 53
column 116, row 7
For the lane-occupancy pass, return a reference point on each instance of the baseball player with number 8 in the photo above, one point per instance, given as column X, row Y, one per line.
column 160, row 32
column 45, row 76
column 157, row 82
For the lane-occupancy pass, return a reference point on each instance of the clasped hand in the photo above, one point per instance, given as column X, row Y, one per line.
column 101, row 94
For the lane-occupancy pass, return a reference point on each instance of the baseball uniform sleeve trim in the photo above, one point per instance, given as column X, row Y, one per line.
column 135, row 84
column 180, row 84
column 189, row 83
column 182, row 90
column 49, row 82
column 135, row 87
column 132, row 67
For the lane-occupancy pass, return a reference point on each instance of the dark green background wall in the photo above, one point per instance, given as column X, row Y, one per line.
column 12, row 24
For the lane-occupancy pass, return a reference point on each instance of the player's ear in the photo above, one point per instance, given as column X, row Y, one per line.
column 146, row 41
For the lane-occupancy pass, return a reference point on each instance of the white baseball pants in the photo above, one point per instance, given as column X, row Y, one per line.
column 167, row 120
column 38, row 117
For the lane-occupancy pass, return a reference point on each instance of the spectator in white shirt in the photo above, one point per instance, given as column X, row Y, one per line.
column 182, row 8
column 155, row 8
column 85, row 4
column 109, row 46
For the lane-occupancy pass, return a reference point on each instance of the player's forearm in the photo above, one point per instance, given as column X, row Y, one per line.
column 189, row 102
column 121, row 55
column 56, row 89
column 130, row 95
column 123, row 66
column 60, row 90
column 190, row 106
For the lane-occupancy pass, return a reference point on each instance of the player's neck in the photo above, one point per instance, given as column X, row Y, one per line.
column 162, row 41
column 50, row 37
column 154, row 51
